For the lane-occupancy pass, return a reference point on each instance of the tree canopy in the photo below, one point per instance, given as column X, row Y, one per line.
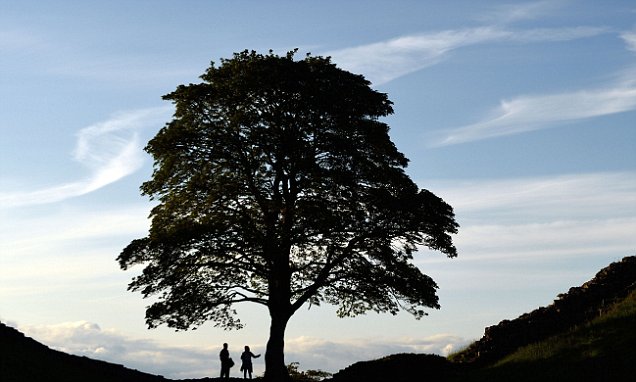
column 278, row 184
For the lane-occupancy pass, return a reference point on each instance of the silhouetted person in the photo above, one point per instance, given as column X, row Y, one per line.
column 226, row 362
column 246, row 359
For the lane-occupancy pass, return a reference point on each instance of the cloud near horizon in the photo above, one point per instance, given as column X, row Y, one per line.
column 317, row 353
column 89, row 339
column 110, row 150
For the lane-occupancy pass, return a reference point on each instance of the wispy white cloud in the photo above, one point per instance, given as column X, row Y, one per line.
column 508, row 13
column 548, row 241
column 384, row 61
column 24, row 236
column 547, row 198
column 535, row 112
column 110, row 150
column 630, row 40
column 553, row 216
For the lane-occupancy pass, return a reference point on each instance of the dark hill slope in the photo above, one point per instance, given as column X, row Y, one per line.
column 400, row 368
column 23, row 359
column 590, row 330
column 578, row 305
column 601, row 350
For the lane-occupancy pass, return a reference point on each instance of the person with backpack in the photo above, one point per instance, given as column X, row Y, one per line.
column 226, row 362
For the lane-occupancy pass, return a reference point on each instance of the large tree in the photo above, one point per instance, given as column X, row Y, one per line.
column 277, row 184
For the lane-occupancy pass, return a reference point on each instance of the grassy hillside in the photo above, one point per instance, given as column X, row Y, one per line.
column 579, row 305
column 603, row 349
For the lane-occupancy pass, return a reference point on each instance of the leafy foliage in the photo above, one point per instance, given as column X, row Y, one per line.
column 305, row 376
column 278, row 184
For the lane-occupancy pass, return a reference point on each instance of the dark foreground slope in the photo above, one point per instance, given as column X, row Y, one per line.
column 23, row 359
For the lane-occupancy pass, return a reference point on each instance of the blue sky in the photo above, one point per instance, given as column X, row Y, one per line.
column 521, row 115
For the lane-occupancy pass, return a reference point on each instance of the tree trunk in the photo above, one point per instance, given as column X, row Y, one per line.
column 275, row 368
column 280, row 311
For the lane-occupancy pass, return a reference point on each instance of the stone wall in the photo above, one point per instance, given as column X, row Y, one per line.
column 578, row 305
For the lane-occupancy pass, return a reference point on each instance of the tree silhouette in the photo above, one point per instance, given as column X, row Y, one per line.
column 277, row 184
